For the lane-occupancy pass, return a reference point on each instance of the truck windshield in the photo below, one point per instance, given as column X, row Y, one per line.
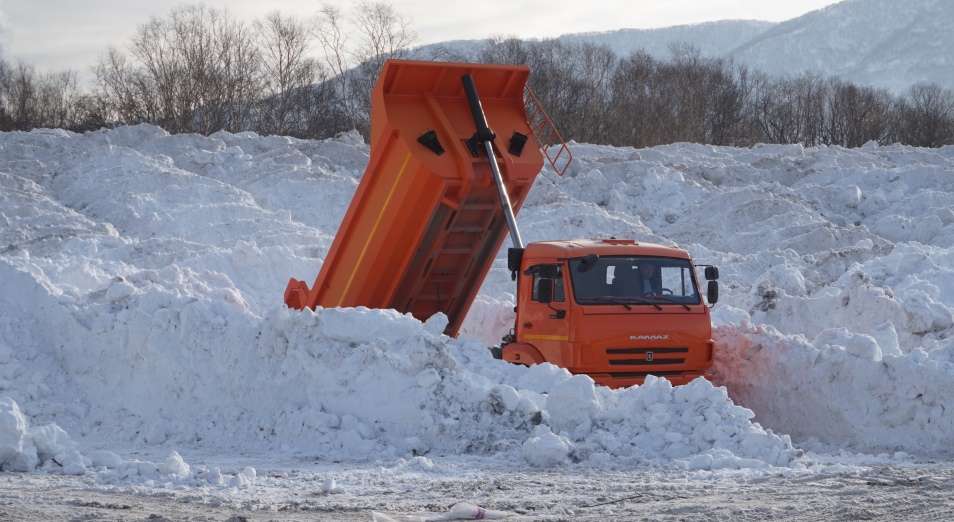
column 634, row 280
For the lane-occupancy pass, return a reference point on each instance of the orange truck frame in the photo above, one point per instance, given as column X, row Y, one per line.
column 440, row 195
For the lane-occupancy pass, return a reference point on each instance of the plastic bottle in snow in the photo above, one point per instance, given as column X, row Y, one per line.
column 468, row 511
column 465, row 511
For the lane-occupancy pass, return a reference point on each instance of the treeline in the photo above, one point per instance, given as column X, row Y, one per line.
column 30, row 99
column 594, row 96
column 200, row 70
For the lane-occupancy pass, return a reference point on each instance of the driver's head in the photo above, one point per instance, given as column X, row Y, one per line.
column 646, row 269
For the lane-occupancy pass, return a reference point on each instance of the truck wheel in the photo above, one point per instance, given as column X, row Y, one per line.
column 496, row 351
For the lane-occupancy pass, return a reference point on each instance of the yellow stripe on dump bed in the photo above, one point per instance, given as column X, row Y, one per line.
column 377, row 222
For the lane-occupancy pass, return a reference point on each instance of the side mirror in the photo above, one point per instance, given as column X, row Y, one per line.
column 545, row 290
column 588, row 262
column 712, row 273
column 514, row 259
column 713, row 296
column 548, row 271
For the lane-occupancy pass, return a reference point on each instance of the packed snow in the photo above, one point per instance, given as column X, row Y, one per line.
column 141, row 313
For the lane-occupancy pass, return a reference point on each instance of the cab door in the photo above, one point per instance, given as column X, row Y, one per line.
column 542, row 319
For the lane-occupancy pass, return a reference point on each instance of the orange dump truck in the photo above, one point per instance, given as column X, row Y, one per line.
column 437, row 201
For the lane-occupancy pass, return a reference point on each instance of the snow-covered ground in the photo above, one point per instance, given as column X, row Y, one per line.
column 144, row 341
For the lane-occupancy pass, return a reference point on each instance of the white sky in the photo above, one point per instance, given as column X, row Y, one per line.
column 60, row 34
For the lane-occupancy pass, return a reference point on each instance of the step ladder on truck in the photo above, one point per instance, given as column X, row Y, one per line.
column 451, row 165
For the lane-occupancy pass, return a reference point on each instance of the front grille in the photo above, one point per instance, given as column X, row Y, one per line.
column 640, row 358
column 642, row 375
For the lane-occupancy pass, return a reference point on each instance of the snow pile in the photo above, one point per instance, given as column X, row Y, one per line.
column 847, row 391
column 142, row 276
column 24, row 449
column 836, row 322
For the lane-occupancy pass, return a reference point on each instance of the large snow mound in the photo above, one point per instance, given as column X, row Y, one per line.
column 141, row 279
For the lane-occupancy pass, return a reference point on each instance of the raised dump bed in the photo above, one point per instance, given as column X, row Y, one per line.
column 426, row 221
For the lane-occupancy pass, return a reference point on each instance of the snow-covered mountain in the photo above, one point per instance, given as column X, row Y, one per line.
column 711, row 38
column 883, row 43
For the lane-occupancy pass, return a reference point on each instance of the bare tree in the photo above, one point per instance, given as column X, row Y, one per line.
column 730, row 121
column 324, row 115
column 20, row 91
column 288, row 72
column 329, row 27
column 856, row 115
column 192, row 73
column 385, row 34
column 557, row 86
column 791, row 110
column 569, row 80
column 56, row 99
column 381, row 32
column 504, row 50
column 129, row 95
column 5, row 124
column 810, row 91
column 239, row 74
column 595, row 65
column 927, row 116
column 30, row 99
column 631, row 87
column 689, row 107
column 91, row 112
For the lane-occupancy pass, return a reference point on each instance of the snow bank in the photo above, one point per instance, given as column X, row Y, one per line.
column 140, row 306
column 24, row 449
column 846, row 391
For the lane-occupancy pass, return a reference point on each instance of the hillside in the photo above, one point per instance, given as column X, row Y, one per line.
column 883, row 43
column 713, row 38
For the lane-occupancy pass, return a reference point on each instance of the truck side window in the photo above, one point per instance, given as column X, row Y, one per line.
column 559, row 294
column 678, row 280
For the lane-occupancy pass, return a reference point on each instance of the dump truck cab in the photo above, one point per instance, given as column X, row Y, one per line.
column 614, row 309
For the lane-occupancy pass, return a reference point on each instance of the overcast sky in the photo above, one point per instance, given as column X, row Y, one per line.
column 60, row 34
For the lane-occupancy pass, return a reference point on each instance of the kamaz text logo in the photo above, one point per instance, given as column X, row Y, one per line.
column 648, row 337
